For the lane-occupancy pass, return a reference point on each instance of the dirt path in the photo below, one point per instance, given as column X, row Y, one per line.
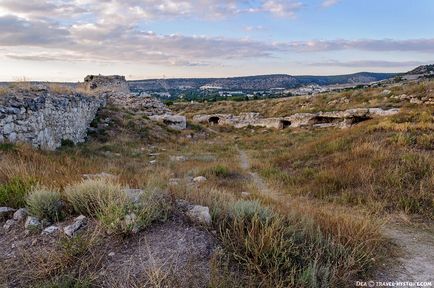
column 263, row 188
column 416, row 260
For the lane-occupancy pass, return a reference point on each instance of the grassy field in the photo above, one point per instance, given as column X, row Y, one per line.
column 339, row 188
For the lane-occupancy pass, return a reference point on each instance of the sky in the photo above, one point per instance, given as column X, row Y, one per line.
column 64, row 40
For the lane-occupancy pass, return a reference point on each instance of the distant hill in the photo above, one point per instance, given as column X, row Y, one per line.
column 422, row 70
column 261, row 82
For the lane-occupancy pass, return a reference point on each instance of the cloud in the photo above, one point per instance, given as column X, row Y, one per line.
column 15, row 31
column 368, row 63
column 380, row 45
column 329, row 3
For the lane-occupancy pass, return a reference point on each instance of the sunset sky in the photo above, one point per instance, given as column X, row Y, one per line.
column 63, row 40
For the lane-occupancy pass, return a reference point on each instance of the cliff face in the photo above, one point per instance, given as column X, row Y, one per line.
column 44, row 120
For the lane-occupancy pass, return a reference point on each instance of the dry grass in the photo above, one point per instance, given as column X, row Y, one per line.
column 323, row 235
column 60, row 89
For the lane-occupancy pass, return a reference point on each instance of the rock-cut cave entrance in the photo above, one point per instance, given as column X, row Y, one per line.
column 284, row 124
column 214, row 120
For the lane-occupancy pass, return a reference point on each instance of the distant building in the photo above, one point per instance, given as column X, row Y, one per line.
column 210, row 87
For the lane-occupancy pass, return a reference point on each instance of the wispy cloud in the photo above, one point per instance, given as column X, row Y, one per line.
column 415, row 45
column 368, row 63
column 329, row 3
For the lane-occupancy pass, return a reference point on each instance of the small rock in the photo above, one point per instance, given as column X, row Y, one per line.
column 79, row 223
column 199, row 214
column 98, row 175
column 178, row 158
column 32, row 223
column 245, row 194
column 174, row 181
column 8, row 225
column 20, row 214
column 50, row 230
column 415, row 101
column 199, row 179
column 6, row 212
column 153, row 162
column 111, row 254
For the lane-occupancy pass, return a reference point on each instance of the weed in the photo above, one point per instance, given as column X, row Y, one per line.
column 13, row 193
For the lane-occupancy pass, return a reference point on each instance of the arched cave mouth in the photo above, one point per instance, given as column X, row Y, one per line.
column 214, row 120
column 284, row 124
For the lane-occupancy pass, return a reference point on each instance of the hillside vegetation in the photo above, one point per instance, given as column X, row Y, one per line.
column 304, row 207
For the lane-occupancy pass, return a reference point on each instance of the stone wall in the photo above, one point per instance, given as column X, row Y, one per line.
column 100, row 83
column 44, row 120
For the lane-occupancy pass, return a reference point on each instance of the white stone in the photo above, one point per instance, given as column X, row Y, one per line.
column 50, row 230
column 199, row 214
column 245, row 194
column 199, row 179
column 79, row 223
column 32, row 223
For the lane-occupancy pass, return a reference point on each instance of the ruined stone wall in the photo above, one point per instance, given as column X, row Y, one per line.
column 44, row 120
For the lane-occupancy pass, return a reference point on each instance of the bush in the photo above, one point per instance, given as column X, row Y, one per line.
column 105, row 200
column 219, row 171
column 45, row 204
column 122, row 216
column 248, row 209
column 13, row 194
column 89, row 196
column 7, row 147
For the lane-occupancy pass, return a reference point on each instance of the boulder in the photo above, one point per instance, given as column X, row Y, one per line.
column 6, row 213
column 199, row 214
column 177, row 122
column 79, row 223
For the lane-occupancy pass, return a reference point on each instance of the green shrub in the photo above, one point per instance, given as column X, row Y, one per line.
column 66, row 281
column 122, row 216
column 45, row 203
column 105, row 200
column 248, row 209
column 219, row 171
column 67, row 143
column 7, row 147
column 13, row 194
column 89, row 196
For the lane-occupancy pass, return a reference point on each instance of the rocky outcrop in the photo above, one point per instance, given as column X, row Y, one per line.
column 117, row 91
column 45, row 120
column 110, row 84
column 341, row 119
column 413, row 99
column 176, row 122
